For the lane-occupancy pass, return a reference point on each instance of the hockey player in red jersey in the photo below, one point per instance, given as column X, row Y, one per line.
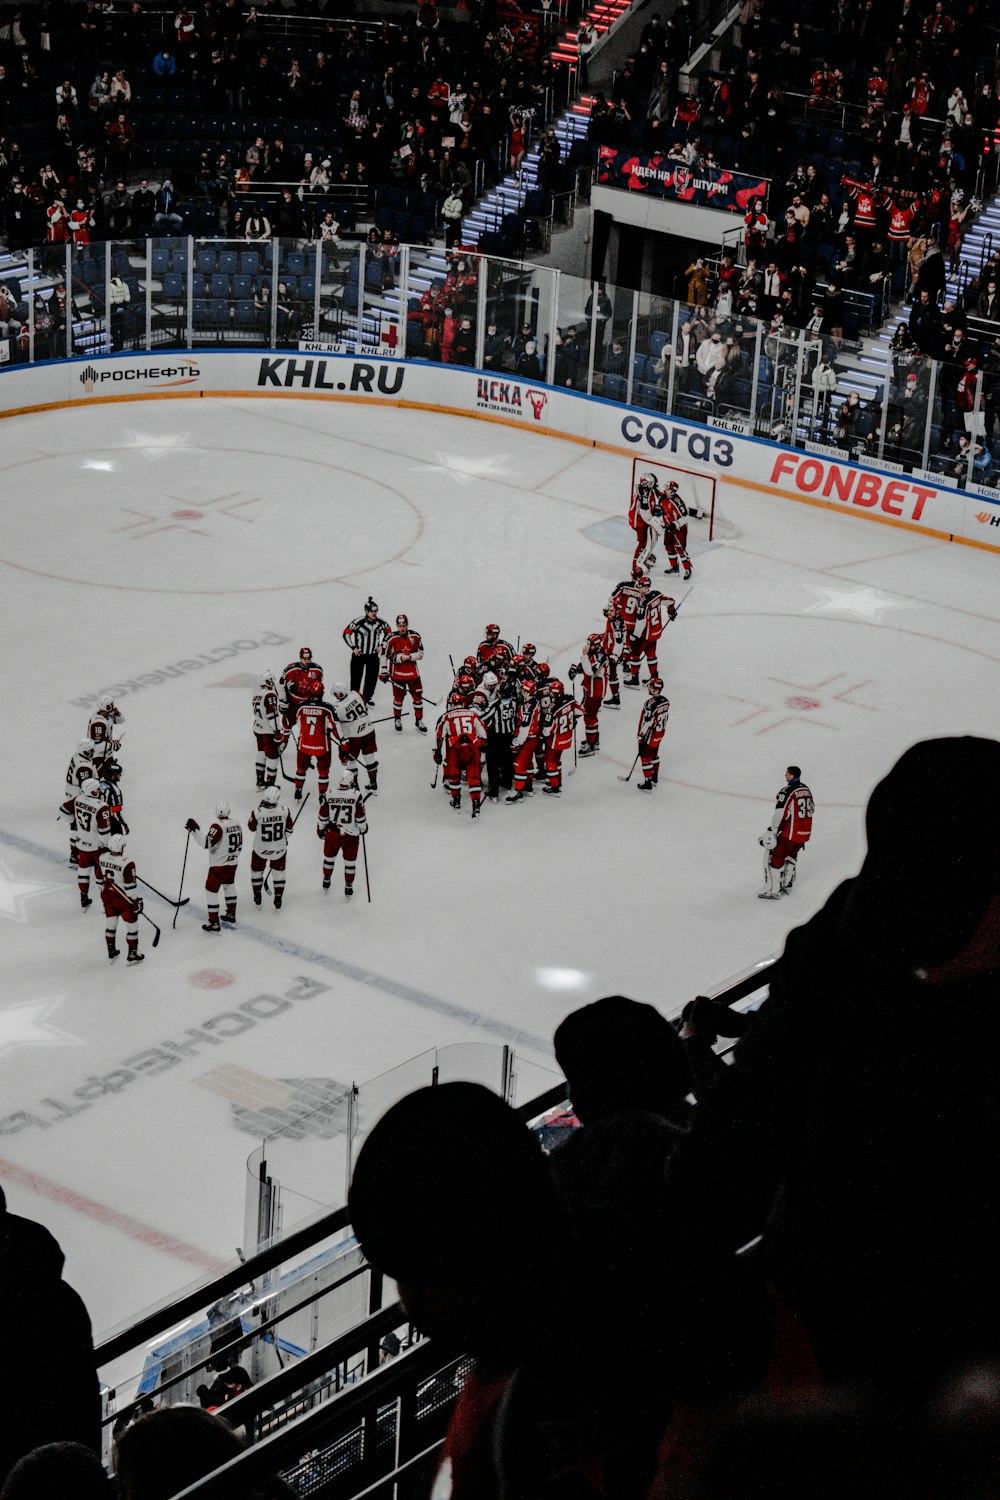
column 403, row 650
column 644, row 519
column 789, row 830
column 316, row 733
column 493, row 649
column 271, row 824
column 271, row 737
column 558, row 727
column 625, row 599
column 341, row 826
column 301, row 682
column 90, row 816
column 223, row 839
column 101, row 729
column 647, row 627
column 120, row 898
column 351, row 711
column 460, row 740
column 675, row 532
column 593, row 668
column 652, row 726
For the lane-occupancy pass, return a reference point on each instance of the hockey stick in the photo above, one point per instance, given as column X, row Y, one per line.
column 437, row 773
column 160, row 893
column 156, row 930
column 180, row 888
column 294, row 821
column 385, row 719
column 634, row 764
column 364, row 856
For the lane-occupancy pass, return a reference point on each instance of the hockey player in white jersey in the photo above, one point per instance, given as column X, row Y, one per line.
column 271, row 823
column 223, row 839
column 120, row 898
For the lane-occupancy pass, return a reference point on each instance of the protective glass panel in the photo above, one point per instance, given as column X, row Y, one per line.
column 88, row 273
column 169, row 258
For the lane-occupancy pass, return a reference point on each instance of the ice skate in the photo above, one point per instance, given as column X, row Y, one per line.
column 421, row 726
column 514, row 797
column 349, row 888
column 397, row 725
column 278, row 895
column 134, row 956
column 552, row 791
column 256, row 898
column 644, row 786
column 212, row 925
column 590, row 748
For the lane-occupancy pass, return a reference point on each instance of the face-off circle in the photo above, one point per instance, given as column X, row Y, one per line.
column 212, row 979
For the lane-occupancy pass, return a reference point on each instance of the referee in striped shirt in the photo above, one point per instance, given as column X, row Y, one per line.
column 366, row 636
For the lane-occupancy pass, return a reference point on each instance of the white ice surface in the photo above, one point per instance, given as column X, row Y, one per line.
column 477, row 933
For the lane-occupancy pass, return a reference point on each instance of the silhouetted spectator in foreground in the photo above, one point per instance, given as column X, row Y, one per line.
column 167, row 1450
column 858, row 1129
column 58, row 1471
column 451, row 1198
column 48, row 1381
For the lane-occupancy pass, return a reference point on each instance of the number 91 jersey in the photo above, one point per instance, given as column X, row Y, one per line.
column 225, row 840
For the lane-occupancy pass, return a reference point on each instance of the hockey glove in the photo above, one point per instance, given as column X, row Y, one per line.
column 191, row 826
column 769, row 840
column 383, row 677
column 136, row 907
column 573, row 671
column 437, row 757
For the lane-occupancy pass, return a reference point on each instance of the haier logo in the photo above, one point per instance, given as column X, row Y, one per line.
column 988, row 518
column 509, row 397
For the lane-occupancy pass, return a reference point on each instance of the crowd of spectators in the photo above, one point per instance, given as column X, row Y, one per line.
column 223, row 103
column 874, row 134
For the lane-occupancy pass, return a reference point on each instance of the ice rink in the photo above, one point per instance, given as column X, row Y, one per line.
column 169, row 551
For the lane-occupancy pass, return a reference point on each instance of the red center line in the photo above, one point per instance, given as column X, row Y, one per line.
column 156, row 1239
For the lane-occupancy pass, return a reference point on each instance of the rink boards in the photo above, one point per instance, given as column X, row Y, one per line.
column 919, row 501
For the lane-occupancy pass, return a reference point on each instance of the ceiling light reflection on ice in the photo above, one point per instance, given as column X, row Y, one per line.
column 561, row 979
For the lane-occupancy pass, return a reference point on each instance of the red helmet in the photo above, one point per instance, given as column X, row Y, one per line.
column 543, row 669
column 457, row 699
column 642, row 580
column 465, row 684
column 471, row 665
column 305, row 653
column 492, row 631
column 655, row 684
column 555, row 685
column 529, row 687
column 528, row 646
column 594, row 639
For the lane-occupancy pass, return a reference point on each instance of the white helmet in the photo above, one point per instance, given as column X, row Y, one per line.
column 86, row 749
column 106, row 704
column 223, row 810
column 347, row 782
column 91, row 787
column 116, row 844
column 339, row 690
column 269, row 796
column 648, row 480
column 267, row 679
column 489, row 681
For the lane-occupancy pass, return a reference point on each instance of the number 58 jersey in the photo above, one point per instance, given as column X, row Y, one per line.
column 270, row 827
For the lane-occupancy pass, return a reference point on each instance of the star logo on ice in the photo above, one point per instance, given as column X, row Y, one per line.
column 464, row 470
column 864, row 603
column 28, row 1025
column 14, row 893
column 155, row 444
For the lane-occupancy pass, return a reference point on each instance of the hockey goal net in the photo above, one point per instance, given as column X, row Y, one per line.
column 698, row 490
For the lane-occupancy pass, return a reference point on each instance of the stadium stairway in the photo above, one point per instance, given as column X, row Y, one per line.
column 865, row 371
column 510, row 195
